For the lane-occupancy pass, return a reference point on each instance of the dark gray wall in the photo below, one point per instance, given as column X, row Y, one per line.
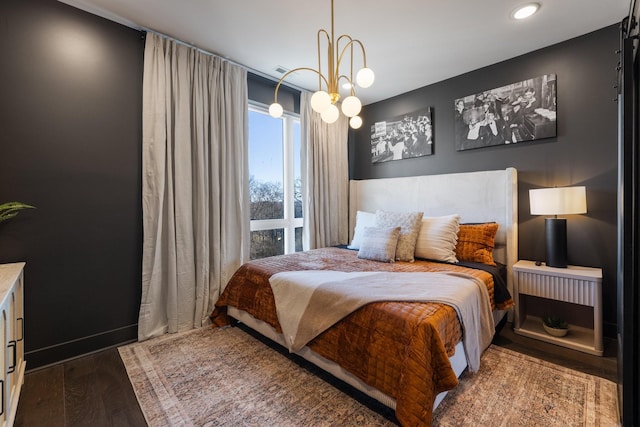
column 70, row 113
column 583, row 153
column 262, row 90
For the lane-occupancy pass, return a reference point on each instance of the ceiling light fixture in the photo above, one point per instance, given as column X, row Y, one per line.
column 325, row 101
column 525, row 11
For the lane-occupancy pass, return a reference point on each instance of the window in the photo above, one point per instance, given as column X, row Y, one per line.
column 275, row 183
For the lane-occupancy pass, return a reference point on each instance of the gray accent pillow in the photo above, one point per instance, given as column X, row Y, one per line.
column 379, row 244
column 409, row 223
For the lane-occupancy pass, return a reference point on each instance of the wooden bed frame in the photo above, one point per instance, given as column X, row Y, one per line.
column 476, row 196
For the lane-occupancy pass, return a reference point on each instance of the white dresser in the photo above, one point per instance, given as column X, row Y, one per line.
column 12, row 335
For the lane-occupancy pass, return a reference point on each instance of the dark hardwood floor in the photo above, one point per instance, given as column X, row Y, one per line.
column 95, row 391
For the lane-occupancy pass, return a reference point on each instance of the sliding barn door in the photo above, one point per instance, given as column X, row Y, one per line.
column 628, row 290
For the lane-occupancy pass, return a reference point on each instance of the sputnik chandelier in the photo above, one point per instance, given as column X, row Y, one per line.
column 325, row 101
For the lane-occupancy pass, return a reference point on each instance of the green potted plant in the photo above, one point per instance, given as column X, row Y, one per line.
column 555, row 325
column 10, row 209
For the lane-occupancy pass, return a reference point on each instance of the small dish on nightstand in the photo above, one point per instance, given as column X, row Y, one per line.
column 556, row 332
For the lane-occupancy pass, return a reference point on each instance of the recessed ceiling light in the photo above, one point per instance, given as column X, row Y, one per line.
column 525, row 11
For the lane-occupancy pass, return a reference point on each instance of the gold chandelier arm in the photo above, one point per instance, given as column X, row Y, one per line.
column 320, row 75
column 364, row 53
column 322, row 78
column 350, row 44
column 342, row 53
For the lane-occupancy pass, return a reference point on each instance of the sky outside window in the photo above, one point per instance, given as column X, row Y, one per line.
column 265, row 148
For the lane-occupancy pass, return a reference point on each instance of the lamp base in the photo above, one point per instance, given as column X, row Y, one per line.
column 556, row 234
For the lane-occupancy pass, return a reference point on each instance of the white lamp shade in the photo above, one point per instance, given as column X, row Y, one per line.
column 355, row 122
column 365, row 77
column 351, row 106
column 320, row 101
column 331, row 114
column 558, row 201
column 275, row 110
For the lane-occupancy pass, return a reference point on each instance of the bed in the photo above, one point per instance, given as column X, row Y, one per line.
column 404, row 353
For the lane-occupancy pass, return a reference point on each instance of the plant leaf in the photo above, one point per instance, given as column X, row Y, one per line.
column 9, row 210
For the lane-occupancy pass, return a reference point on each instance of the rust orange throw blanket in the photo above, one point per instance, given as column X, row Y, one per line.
column 309, row 302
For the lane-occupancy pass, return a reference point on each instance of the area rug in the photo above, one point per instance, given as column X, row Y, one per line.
column 513, row 389
column 226, row 377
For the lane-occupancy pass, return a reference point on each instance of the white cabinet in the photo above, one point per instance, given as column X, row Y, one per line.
column 12, row 335
column 581, row 286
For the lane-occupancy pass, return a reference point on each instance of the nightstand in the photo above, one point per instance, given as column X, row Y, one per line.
column 581, row 286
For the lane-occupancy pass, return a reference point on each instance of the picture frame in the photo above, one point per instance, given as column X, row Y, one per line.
column 402, row 137
column 515, row 113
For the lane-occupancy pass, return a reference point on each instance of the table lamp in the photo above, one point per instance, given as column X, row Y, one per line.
column 557, row 201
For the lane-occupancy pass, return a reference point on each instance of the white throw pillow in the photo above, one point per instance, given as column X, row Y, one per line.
column 409, row 223
column 363, row 220
column 438, row 237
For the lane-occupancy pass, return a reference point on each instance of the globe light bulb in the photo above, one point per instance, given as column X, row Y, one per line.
column 351, row 106
column 331, row 114
column 275, row 110
column 320, row 101
column 365, row 77
column 355, row 122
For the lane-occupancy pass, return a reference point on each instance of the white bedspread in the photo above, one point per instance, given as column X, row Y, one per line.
column 309, row 302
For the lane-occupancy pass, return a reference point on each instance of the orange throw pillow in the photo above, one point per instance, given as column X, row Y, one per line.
column 476, row 242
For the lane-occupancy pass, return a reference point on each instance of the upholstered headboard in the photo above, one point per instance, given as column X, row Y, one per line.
column 476, row 196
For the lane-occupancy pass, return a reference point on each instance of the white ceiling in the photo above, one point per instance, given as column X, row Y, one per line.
column 409, row 43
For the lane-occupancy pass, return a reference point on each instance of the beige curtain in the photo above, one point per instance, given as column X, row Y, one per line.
column 194, row 183
column 325, row 171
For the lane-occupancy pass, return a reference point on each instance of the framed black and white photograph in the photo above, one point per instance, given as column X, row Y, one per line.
column 402, row 137
column 519, row 112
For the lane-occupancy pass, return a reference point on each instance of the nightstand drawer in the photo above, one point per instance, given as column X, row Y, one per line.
column 566, row 289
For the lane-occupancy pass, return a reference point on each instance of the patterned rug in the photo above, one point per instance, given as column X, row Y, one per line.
column 226, row 377
column 513, row 389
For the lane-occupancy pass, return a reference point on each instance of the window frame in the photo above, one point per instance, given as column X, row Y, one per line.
column 289, row 223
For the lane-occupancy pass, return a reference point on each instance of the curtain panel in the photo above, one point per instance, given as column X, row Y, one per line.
column 194, row 185
column 325, row 171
